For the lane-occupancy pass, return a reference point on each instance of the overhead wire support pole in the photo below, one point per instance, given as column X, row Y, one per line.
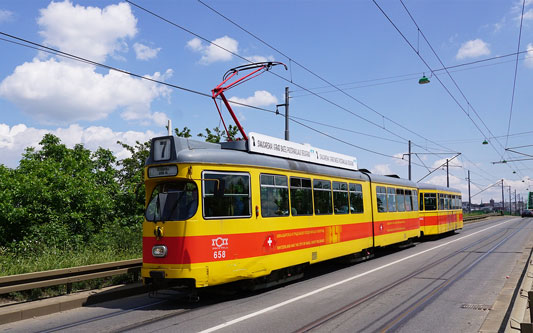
column 469, row 196
column 287, row 113
column 409, row 168
column 437, row 168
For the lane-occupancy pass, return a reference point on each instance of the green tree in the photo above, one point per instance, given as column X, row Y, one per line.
column 186, row 133
column 131, row 180
column 217, row 134
column 58, row 195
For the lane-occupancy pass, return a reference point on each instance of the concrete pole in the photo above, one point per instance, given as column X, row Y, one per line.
column 409, row 168
column 469, row 197
column 287, row 113
column 503, row 200
column 447, row 175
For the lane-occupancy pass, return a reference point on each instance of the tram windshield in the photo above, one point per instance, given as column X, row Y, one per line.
column 176, row 201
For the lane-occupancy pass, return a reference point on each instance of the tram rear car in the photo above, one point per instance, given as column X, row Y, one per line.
column 440, row 209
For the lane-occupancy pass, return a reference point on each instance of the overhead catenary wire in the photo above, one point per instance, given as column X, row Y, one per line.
column 50, row 50
column 515, row 73
column 321, row 78
column 439, row 80
column 451, row 77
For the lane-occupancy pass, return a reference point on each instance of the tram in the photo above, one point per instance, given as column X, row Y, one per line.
column 219, row 213
column 261, row 209
column 440, row 209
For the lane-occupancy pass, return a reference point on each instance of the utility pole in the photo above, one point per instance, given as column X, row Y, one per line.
column 447, row 175
column 409, row 168
column 287, row 113
column 515, row 206
column 503, row 201
column 510, row 202
column 469, row 197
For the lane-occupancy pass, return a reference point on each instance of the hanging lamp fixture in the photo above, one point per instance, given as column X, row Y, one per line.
column 423, row 80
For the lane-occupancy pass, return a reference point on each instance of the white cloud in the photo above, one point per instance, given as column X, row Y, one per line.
column 212, row 53
column 259, row 99
column 61, row 92
column 144, row 52
column 89, row 32
column 258, row 58
column 455, row 163
column 472, row 49
column 529, row 56
column 13, row 140
column 5, row 15
column 382, row 169
column 528, row 15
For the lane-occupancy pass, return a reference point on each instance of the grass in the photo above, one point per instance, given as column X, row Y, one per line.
column 35, row 256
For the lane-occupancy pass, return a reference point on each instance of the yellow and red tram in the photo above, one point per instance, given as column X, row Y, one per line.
column 218, row 213
column 440, row 209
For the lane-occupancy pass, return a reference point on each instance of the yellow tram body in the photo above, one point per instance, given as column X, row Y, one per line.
column 239, row 215
column 440, row 209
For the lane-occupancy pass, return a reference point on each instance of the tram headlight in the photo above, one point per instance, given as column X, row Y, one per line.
column 159, row 251
column 162, row 171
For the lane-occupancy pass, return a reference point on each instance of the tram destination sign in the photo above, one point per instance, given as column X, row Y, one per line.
column 268, row 145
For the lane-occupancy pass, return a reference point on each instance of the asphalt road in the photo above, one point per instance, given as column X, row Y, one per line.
column 442, row 285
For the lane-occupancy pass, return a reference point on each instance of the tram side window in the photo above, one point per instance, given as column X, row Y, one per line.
column 414, row 197
column 421, row 202
column 459, row 198
column 430, row 201
column 391, row 197
column 356, row 199
column 274, row 196
column 441, row 201
column 454, row 202
column 322, row 195
column 447, row 201
column 408, row 202
column 400, row 199
column 381, row 195
column 340, row 198
column 301, row 196
column 226, row 194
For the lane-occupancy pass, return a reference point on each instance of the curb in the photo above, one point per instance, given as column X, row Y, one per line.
column 500, row 311
column 20, row 311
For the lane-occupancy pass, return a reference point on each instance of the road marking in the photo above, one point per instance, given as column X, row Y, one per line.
column 295, row 299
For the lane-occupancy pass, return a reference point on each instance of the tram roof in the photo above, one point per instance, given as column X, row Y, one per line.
column 191, row 151
column 427, row 186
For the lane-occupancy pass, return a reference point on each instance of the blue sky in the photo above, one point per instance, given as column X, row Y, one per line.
column 348, row 44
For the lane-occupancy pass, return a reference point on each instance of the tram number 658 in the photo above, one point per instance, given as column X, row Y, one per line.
column 219, row 254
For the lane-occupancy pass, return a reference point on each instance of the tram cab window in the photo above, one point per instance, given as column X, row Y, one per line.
column 226, row 194
column 381, row 196
column 322, row 196
column 176, row 201
column 340, row 198
column 430, row 201
column 414, row 197
column 441, row 201
column 356, row 199
column 408, row 203
column 460, row 203
column 274, row 195
column 391, row 198
column 301, row 196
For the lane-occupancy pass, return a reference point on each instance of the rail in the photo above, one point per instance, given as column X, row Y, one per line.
column 68, row 276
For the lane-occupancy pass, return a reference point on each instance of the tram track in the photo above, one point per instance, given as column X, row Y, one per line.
column 428, row 296
column 186, row 308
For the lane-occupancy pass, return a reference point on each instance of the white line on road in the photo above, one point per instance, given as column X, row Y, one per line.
column 316, row 291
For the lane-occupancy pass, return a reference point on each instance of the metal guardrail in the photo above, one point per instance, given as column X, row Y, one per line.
column 68, row 276
column 479, row 217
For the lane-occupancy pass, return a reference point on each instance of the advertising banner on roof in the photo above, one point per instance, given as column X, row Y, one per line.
column 264, row 144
